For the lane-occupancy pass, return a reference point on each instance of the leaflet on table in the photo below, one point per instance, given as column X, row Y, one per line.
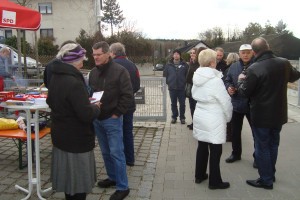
column 19, row 103
column 97, row 96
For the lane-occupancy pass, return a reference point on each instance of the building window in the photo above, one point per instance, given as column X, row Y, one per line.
column 45, row 8
column 8, row 33
column 46, row 33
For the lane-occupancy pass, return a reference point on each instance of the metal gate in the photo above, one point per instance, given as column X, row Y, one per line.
column 151, row 100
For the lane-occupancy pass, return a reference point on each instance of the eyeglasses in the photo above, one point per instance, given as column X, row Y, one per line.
column 98, row 54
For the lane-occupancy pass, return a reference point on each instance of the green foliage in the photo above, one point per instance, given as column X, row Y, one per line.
column 281, row 28
column 137, row 47
column 112, row 14
column 252, row 31
column 46, row 47
column 269, row 29
column 215, row 37
column 161, row 61
column 12, row 41
column 186, row 57
column 135, row 43
column 87, row 41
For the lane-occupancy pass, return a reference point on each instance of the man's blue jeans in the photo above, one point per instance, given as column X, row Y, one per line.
column 266, row 151
column 110, row 138
column 128, row 136
column 180, row 96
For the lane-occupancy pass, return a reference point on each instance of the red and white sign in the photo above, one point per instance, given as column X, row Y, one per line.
column 15, row 16
column 8, row 17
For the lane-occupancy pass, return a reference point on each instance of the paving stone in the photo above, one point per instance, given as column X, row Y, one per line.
column 144, row 192
column 7, row 196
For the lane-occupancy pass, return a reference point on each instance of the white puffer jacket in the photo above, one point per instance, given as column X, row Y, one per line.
column 213, row 109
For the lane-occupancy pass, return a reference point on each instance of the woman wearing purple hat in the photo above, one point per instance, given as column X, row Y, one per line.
column 73, row 168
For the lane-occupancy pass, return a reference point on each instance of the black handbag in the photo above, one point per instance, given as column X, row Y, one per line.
column 188, row 90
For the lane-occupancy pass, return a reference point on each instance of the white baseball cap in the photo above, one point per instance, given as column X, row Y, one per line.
column 245, row 47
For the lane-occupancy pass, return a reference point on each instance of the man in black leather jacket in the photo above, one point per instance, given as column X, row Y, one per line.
column 266, row 85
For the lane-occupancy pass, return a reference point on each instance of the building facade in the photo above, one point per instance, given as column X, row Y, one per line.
column 62, row 19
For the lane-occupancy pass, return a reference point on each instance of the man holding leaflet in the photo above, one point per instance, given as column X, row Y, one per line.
column 114, row 80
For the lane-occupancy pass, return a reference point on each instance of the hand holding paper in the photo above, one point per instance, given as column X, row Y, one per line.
column 97, row 96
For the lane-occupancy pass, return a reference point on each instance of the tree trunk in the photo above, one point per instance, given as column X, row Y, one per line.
column 111, row 28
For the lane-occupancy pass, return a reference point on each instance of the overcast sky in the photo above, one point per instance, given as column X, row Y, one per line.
column 179, row 19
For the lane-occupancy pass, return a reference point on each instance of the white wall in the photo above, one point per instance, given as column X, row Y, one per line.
column 67, row 19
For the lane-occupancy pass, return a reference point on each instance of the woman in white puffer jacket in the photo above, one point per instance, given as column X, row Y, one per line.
column 213, row 111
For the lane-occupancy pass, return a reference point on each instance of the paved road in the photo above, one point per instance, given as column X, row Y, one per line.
column 165, row 165
column 174, row 177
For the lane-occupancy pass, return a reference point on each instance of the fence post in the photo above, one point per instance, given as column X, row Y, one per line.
column 299, row 84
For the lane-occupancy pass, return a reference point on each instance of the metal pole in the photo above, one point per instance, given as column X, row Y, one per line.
column 299, row 84
column 36, row 54
column 19, row 53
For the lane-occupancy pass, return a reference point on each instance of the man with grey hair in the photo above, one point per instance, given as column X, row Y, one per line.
column 240, row 104
column 4, row 54
column 114, row 80
column 265, row 83
column 117, row 52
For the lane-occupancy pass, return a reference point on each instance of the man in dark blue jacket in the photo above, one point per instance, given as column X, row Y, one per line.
column 240, row 104
column 117, row 52
column 175, row 73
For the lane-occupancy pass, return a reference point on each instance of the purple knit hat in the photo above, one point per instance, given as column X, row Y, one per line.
column 74, row 55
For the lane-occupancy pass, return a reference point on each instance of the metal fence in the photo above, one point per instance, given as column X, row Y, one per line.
column 151, row 100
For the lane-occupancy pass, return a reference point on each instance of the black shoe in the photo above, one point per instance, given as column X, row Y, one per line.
column 119, row 194
column 259, row 184
column 232, row 158
column 182, row 121
column 173, row 121
column 254, row 164
column 129, row 164
column 199, row 180
column 222, row 185
column 106, row 183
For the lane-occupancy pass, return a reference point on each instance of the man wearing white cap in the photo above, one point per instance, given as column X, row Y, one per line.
column 240, row 104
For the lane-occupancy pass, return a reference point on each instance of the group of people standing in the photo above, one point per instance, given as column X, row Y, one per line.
column 75, row 120
column 251, row 84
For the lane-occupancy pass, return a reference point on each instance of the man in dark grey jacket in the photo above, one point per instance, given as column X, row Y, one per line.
column 175, row 73
column 114, row 80
column 266, row 85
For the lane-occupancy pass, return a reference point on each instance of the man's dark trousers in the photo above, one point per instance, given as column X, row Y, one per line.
column 236, row 130
column 266, row 151
column 180, row 96
column 128, row 136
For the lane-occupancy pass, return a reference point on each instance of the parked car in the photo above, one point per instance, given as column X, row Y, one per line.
column 159, row 67
column 31, row 63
